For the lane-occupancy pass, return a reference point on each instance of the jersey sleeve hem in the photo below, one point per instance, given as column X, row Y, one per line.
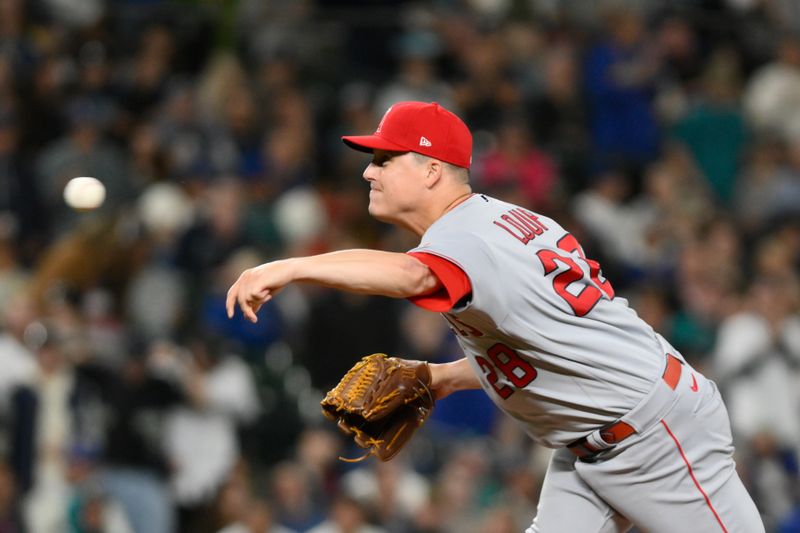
column 455, row 283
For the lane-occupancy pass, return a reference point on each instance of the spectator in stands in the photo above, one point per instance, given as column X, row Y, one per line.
column 772, row 95
column 517, row 170
column 620, row 74
column 714, row 129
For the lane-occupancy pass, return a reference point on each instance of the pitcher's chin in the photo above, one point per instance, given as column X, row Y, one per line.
column 380, row 214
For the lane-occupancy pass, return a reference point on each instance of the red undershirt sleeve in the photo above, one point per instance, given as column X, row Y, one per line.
column 455, row 284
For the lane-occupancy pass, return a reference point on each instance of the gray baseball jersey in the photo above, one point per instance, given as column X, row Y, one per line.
column 552, row 345
column 556, row 350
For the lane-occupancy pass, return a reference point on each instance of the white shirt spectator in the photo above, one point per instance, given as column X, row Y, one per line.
column 618, row 229
column 202, row 443
column 772, row 99
column 19, row 368
column 411, row 489
column 760, row 382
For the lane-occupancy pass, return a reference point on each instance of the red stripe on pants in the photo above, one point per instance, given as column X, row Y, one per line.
column 691, row 473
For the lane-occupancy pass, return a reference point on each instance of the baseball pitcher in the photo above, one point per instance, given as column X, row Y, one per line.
column 641, row 437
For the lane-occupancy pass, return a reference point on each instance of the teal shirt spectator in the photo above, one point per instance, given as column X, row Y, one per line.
column 693, row 335
column 715, row 135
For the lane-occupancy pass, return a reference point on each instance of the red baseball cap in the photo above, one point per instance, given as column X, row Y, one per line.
column 425, row 128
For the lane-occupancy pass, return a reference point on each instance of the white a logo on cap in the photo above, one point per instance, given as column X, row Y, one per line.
column 424, row 142
column 380, row 125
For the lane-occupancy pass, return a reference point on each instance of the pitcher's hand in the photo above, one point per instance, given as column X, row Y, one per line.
column 256, row 286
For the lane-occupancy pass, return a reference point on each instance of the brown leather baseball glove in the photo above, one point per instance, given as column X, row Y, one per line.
column 381, row 401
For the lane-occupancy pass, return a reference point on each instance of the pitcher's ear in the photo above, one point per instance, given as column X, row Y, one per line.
column 435, row 170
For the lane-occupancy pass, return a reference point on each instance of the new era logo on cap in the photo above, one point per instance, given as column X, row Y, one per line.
column 425, row 128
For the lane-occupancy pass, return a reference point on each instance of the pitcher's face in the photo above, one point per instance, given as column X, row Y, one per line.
column 396, row 182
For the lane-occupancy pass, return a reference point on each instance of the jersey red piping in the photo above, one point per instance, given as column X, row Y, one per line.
column 691, row 473
column 455, row 283
column 459, row 202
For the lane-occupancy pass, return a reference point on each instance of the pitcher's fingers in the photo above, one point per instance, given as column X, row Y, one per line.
column 253, row 304
column 243, row 305
column 247, row 309
column 261, row 301
column 230, row 300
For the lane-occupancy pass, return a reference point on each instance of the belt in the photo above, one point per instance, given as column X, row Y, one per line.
column 589, row 447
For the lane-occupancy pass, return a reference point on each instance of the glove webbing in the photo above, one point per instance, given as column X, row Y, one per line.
column 371, row 442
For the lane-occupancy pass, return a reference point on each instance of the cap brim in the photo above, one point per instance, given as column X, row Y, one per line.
column 370, row 143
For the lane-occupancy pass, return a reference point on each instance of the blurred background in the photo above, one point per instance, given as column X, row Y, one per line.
column 664, row 134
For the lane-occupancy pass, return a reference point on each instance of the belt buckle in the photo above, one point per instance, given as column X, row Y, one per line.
column 587, row 453
column 601, row 441
column 596, row 456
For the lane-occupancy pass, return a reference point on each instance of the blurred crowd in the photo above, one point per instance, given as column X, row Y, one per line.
column 664, row 134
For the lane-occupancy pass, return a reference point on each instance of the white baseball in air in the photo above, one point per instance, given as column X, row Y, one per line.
column 84, row 193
